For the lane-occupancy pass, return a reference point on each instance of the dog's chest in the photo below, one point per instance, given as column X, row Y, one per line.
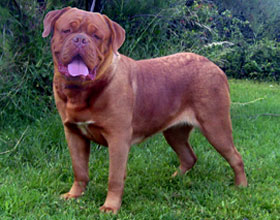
column 84, row 127
column 92, row 132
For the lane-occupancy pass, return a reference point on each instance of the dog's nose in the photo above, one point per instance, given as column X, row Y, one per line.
column 80, row 40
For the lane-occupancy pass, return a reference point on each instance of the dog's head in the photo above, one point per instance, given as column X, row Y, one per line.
column 82, row 41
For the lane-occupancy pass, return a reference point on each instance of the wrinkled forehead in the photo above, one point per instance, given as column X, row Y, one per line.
column 81, row 19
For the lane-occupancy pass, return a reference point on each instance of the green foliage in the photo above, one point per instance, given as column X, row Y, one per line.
column 149, row 25
column 201, row 27
column 231, row 43
column 263, row 16
column 25, row 62
column 263, row 57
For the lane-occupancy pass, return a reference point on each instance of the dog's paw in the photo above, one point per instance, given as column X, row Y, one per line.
column 107, row 209
column 68, row 195
column 178, row 172
column 181, row 171
column 242, row 183
column 175, row 174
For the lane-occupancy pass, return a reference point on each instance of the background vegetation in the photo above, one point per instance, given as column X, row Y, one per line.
column 242, row 37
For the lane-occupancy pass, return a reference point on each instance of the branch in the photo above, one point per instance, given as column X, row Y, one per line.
column 265, row 114
column 92, row 5
column 246, row 103
column 18, row 8
column 16, row 145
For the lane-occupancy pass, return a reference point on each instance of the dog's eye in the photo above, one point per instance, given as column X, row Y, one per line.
column 66, row 31
column 96, row 37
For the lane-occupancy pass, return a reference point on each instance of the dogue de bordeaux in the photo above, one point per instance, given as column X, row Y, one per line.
column 115, row 101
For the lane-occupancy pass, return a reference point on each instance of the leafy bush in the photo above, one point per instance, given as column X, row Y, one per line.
column 263, row 16
column 263, row 60
column 150, row 26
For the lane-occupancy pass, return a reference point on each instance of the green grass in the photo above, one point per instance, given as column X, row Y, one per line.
column 38, row 170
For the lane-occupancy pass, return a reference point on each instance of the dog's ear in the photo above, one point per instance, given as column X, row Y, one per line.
column 118, row 34
column 50, row 20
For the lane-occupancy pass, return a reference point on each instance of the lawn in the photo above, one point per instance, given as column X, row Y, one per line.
column 35, row 168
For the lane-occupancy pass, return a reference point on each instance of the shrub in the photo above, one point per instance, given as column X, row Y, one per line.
column 263, row 60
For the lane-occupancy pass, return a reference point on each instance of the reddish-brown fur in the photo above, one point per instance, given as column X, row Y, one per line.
column 131, row 100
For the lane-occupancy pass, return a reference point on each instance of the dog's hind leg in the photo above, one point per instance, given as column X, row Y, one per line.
column 218, row 132
column 177, row 137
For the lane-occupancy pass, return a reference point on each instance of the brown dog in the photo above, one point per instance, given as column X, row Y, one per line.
column 116, row 101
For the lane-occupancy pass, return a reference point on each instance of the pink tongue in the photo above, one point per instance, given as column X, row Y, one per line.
column 77, row 68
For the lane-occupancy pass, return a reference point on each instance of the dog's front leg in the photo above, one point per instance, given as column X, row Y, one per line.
column 118, row 154
column 79, row 148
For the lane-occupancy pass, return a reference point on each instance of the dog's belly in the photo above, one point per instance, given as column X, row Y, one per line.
column 186, row 117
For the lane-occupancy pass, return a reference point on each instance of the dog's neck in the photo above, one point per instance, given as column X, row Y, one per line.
column 79, row 92
column 108, row 65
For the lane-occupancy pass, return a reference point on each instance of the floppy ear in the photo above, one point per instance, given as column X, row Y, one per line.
column 118, row 34
column 50, row 19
